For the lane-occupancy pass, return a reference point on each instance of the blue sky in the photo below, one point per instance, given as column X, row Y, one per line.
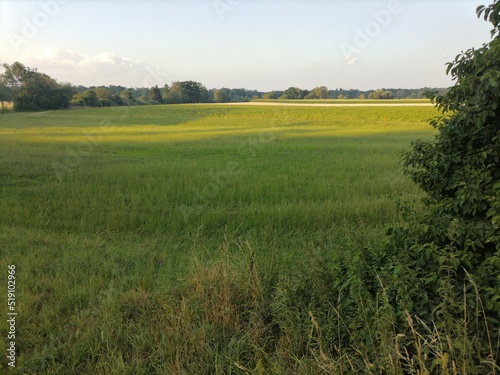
column 255, row 44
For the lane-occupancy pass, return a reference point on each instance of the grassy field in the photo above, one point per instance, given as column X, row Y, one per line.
column 346, row 101
column 176, row 239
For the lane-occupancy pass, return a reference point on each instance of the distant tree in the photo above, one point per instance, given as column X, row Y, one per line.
column 5, row 94
column 32, row 91
column 205, row 95
column 270, row 95
column 15, row 75
column 143, row 99
column 155, row 94
column 293, row 93
column 362, row 97
column 89, row 97
column 107, row 96
column 138, row 92
column 347, row 94
column 103, row 93
column 191, row 92
column 127, row 97
column 164, row 93
column 187, row 92
column 174, row 93
column 126, row 94
column 381, row 94
column 221, row 96
column 79, row 89
column 116, row 90
column 400, row 94
column 59, row 97
column 318, row 93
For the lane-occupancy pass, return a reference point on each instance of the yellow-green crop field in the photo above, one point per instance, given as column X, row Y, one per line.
column 167, row 239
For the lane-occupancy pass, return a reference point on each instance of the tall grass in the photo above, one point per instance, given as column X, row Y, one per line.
column 208, row 240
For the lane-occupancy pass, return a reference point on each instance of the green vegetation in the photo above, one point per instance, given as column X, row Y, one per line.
column 226, row 239
column 30, row 90
column 445, row 261
column 381, row 94
column 198, row 239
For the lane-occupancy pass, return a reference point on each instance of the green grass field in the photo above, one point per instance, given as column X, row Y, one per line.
column 165, row 239
column 384, row 102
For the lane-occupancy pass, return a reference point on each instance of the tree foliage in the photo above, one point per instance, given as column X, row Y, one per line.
column 450, row 251
column 185, row 92
column 318, row 93
column 270, row 95
column 5, row 93
column 381, row 94
column 222, row 95
column 293, row 93
column 101, row 97
column 155, row 94
column 34, row 91
column 90, row 98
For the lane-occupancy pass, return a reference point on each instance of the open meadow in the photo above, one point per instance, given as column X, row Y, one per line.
column 194, row 239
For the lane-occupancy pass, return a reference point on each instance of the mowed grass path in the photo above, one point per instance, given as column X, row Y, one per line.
column 98, row 204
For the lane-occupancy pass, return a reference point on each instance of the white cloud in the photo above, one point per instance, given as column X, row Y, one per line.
column 105, row 68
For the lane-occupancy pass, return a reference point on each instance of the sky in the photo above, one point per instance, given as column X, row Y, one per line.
column 254, row 44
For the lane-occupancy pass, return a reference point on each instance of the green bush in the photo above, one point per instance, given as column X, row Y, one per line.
column 451, row 250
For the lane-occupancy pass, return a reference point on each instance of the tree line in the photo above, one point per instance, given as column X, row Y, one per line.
column 31, row 90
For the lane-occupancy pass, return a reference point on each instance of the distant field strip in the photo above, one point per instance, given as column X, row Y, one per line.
column 196, row 122
column 353, row 104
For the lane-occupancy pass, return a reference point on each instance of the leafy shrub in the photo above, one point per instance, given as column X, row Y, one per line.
column 451, row 250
